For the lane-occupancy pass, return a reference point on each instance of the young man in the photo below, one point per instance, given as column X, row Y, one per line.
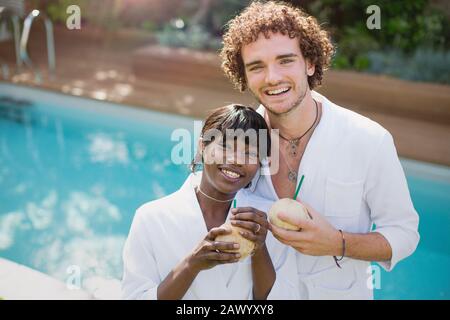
column 353, row 177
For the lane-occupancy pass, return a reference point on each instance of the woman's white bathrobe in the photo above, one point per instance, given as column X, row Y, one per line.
column 354, row 178
column 165, row 231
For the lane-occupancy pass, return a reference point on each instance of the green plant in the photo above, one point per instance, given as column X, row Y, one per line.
column 56, row 10
column 362, row 62
column 149, row 25
column 424, row 64
column 340, row 62
column 195, row 37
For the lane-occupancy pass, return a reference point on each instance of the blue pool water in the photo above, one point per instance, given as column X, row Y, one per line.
column 73, row 171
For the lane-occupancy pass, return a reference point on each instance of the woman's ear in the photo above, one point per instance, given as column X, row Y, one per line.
column 198, row 158
column 200, row 149
column 200, row 145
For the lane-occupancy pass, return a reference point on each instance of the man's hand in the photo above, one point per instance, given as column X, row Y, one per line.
column 317, row 237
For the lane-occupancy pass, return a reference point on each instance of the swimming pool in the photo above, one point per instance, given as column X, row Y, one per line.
column 73, row 171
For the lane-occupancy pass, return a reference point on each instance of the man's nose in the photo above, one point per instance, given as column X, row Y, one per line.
column 273, row 76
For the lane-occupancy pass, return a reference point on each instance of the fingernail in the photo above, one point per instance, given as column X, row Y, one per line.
column 238, row 255
column 233, row 222
column 236, row 246
column 234, row 210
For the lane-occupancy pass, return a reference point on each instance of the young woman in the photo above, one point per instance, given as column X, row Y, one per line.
column 171, row 252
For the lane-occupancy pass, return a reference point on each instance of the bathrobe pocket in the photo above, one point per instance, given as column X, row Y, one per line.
column 343, row 199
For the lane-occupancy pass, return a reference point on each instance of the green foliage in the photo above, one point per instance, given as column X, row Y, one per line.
column 424, row 64
column 362, row 62
column 405, row 24
column 413, row 42
column 56, row 10
column 341, row 62
column 195, row 37
column 148, row 25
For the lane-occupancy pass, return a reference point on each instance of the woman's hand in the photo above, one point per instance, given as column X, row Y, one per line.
column 254, row 221
column 208, row 253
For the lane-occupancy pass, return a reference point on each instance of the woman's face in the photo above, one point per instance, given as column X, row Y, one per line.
column 230, row 166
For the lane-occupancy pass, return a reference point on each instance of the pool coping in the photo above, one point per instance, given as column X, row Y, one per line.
column 19, row 282
column 425, row 170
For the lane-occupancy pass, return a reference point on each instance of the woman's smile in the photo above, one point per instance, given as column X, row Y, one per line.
column 231, row 173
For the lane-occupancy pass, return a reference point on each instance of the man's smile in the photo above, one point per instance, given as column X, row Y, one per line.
column 277, row 92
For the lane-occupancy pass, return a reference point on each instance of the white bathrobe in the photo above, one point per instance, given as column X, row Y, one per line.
column 165, row 231
column 354, row 178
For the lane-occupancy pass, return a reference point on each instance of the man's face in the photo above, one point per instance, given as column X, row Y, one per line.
column 276, row 72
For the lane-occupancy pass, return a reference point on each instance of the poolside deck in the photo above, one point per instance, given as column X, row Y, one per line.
column 18, row 282
column 93, row 64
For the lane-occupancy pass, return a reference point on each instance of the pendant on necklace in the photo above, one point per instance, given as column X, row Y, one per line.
column 292, row 176
column 293, row 149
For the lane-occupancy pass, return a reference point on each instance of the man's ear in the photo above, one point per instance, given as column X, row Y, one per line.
column 310, row 68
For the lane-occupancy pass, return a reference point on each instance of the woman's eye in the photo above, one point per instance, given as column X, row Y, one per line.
column 251, row 154
column 227, row 147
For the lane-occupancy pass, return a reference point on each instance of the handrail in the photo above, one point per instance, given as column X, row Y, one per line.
column 24, row 57
column 6, row 13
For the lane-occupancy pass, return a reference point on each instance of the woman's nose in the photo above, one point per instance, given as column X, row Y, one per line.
column 230, row 157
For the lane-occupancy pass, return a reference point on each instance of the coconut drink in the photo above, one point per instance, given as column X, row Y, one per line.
column 291, row 208
column 246, row 246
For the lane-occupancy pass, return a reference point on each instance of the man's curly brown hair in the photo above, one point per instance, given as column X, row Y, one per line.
column 275, row 17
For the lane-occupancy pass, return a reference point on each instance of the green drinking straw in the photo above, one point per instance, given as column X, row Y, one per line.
column 234, row 203
column 299, row 186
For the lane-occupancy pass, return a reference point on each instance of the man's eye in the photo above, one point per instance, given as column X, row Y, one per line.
column 286, row 61
column 255, row 68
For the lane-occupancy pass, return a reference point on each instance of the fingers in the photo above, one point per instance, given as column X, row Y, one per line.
column 249, row 214
column 243, row 209
column 214, row 232
column 250, row 236
column 249, row 225
column 309, row 210
column 249, row 210
column 284, row 235
column 295, row 220
column 222, row 246
column 222, row 257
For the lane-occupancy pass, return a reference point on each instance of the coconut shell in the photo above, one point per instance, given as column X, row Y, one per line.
column 290, row 207
column 246, row 246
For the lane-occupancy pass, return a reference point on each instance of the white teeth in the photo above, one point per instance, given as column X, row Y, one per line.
column 278, row 91
column 231, row 174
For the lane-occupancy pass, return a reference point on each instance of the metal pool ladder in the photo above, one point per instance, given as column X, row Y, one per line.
column 24, row 57
column 5, row 14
